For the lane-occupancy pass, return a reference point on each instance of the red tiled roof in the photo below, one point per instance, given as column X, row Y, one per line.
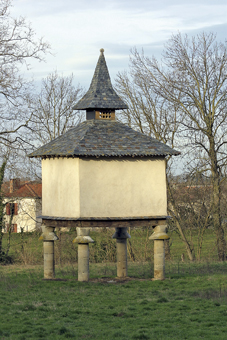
column 33, row 190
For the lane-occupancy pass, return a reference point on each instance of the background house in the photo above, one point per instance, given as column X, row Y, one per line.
column 23, row 204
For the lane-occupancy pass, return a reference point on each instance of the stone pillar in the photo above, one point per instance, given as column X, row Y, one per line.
column 159, row 236
column 121, row 236
column 48, row 236
column 83, row 239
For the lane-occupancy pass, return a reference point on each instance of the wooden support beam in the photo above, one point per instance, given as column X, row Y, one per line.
column 103, row 223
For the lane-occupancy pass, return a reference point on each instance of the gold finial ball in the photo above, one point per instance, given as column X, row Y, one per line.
column 102, row 50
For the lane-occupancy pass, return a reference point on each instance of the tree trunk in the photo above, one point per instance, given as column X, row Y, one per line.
column 2, row 206
column 217, row 223
column 216, row 211
column 167, row 249
column 178, row 225
column 184, row 239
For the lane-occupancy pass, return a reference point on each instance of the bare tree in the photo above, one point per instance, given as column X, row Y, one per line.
column 153, row 115
column 193, row 78
column 53, row 114
column 18, row 45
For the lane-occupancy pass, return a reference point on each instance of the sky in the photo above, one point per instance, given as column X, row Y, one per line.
column 77, row 30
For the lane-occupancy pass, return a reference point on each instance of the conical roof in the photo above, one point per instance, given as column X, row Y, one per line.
column 99, row 138
column 101, row 94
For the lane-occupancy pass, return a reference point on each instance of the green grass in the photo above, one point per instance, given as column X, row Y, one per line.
column 190, row 304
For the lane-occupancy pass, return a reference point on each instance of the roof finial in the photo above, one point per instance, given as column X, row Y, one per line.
column 102, row 50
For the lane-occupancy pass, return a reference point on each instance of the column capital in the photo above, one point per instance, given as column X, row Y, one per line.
column 121, row 233
column 48, row 234
column 160, row 233
column 83, row 236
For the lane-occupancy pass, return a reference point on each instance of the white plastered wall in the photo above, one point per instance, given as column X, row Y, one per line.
column 60, row 187
column 122, row 188
column 73, row 187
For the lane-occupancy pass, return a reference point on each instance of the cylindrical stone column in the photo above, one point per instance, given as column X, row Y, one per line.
column 83, row 262
column 122, row 265
column 83, row 239
column 48, row 252
column 121, row 236
column 159, row 236
column 48, row 236
column 159, row 260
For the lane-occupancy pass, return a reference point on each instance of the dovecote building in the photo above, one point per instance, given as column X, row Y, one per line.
column 102, row 173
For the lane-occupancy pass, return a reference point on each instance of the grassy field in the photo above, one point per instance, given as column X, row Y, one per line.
column 190, row 304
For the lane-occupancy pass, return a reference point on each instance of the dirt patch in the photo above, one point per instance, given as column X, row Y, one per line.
column 117, row 280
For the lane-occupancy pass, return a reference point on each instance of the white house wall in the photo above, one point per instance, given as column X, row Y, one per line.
column 28, row 210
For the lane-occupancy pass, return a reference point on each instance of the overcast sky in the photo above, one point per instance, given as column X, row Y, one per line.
column 77, row 30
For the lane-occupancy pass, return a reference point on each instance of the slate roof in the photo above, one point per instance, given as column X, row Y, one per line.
column 102, row 138
column 101, row 94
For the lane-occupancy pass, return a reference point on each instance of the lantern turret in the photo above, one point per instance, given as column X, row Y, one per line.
column 101, row 100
